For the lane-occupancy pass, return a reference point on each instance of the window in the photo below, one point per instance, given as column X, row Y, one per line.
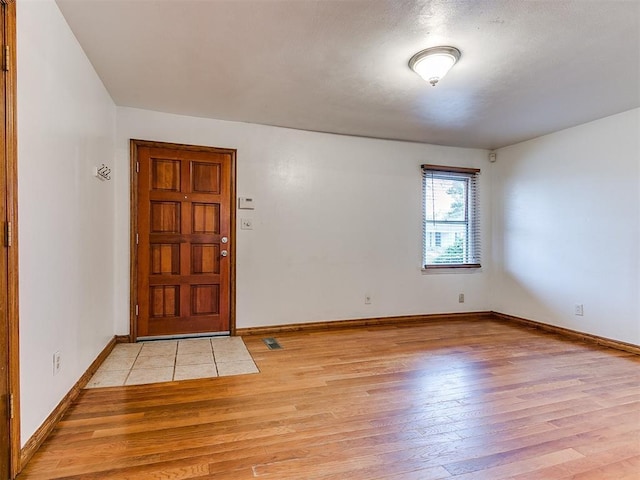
column 451, row 235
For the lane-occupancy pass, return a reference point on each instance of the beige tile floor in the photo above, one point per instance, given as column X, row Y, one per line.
column 168, row 360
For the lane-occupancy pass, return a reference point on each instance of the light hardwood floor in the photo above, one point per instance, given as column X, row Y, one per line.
column 473, row 399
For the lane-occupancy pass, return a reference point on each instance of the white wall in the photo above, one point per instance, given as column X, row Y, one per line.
column 336, row 217
column 566, row 228
column 66, row 125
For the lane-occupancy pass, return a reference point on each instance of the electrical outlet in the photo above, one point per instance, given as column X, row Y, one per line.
column 461, row 298
column 367, row 299
column 579, row 309
column 57, row 363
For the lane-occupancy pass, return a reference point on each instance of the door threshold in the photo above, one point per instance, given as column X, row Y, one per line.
column 182, row 336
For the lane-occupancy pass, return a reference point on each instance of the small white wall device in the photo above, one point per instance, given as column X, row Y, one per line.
column 245, row 203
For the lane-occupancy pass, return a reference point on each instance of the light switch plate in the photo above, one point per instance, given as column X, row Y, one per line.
column 246, row 224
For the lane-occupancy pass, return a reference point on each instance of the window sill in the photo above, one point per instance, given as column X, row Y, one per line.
column 475, row 268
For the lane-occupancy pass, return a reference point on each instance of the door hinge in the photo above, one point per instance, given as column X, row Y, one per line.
column 137, row 167
column 137, row 310
column 11, row 405
column 6, row 58
column 137, row 238
column 8, row 231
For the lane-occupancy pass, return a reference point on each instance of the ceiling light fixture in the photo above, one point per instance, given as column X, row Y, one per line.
column 433, row 63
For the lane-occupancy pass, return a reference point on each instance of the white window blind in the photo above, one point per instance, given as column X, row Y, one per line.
column 451, row 217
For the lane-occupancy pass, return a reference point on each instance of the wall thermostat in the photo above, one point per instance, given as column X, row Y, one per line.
column 245, row 203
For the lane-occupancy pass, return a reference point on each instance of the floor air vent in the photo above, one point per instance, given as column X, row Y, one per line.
column 271, row 343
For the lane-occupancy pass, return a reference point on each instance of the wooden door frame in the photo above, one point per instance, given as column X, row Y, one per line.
column 133, row 228
column 10, row 296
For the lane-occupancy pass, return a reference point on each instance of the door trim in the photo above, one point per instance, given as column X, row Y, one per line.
column 10, row 296
column 133, row 228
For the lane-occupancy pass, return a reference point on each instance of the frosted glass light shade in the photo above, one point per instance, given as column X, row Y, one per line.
column 433, row 64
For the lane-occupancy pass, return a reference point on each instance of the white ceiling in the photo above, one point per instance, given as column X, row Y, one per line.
column 527, row 67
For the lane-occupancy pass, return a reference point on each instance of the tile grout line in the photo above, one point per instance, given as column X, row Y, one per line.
column 213, row 354
column 131, row 368
column 175, row 362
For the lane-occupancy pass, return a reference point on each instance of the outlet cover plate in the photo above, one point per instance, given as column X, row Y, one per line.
column 57, row 365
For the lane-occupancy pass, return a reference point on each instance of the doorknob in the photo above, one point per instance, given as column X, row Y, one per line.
column 224, row 253
column 224, row 239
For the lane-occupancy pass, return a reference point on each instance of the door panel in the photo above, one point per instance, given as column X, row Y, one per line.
column 206, row 178
column 165, row 217
column 205, row 259
column 165, row 259
column 184, row 210
column 205, row 218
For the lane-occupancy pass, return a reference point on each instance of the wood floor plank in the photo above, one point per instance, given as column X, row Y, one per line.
column 525, row 466
column 463, row 399
column 592, row 465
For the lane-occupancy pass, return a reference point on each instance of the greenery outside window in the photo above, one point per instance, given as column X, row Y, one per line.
column 451, row 222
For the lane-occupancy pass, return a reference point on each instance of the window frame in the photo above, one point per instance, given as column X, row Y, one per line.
column 471, row 220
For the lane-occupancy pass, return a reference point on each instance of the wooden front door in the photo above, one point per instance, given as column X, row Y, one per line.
column 184, row 242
